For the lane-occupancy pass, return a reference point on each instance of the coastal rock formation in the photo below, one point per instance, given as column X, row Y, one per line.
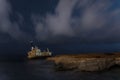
column 117, row 61
column 95, row 64
column 86, row 62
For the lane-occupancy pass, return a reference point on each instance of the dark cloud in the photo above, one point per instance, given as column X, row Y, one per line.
column 97, row 20
column 79, row 19
column 7, row 26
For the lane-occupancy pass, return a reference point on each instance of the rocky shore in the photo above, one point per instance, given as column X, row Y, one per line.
column 86, row 62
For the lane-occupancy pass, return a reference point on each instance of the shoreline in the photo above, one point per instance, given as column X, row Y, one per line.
column 86, row 62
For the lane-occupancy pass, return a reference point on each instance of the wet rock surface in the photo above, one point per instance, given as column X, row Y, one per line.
column 86, row 62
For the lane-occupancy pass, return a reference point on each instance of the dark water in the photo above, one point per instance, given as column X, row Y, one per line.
column 43, row 70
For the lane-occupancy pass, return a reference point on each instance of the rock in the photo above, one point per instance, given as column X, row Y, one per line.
column 117, row 61
column 86, row 62
column 95, row 64
column 66, row 64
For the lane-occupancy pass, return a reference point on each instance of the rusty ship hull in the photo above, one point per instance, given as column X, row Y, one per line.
column 39, row 57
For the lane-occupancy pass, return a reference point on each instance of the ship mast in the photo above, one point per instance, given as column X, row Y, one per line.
column 32, row 45
column 48, row 50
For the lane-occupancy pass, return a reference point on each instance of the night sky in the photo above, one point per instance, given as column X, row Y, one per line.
column 64, row 26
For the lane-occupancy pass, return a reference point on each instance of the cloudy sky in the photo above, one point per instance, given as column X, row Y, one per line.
column 65, row 26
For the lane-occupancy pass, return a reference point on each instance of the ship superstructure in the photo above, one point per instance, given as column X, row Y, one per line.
column 37, row 53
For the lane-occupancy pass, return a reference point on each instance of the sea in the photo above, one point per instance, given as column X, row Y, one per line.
column 45, row 70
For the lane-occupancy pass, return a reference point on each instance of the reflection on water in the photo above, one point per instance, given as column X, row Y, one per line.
column 43, row 70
